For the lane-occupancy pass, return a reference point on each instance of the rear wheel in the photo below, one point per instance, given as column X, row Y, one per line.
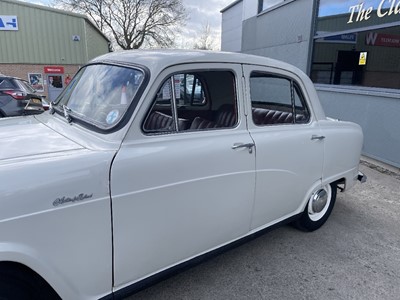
column 318, row 208
column 16, row 282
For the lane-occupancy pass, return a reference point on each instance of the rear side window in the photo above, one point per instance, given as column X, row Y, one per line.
column 276, row 100
column 193, row 101
column 24, row 86
column 6, row 84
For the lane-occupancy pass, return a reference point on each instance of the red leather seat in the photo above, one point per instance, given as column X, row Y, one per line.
column 158, row 121
column 200, row 123
column 262, row 116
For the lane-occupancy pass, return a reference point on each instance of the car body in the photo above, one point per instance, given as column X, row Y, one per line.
column 18, row 97
column 139, row 183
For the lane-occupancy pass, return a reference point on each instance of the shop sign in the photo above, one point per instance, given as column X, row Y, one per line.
column 382, row 39
column 349, row 38
column 363, row 59
column 8, row 23
column 360, row 13
column 54, row 70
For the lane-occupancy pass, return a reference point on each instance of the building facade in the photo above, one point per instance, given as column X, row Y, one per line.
column 46, row 46
column 350, row 49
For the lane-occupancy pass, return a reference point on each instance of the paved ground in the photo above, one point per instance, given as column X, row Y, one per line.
column 355, row 255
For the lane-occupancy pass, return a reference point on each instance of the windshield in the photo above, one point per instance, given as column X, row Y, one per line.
column 100, row 94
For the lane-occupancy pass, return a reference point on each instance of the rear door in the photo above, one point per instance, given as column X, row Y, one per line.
column 183, row 180
column 289, row 146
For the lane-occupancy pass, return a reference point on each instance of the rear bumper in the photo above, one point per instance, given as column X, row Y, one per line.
column 14, row 108
column 361, row 177
column 32, row 110
column 33, row 106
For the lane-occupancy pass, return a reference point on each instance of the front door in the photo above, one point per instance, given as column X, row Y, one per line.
column 183, row 180
column 55, row 86
column 289, row 147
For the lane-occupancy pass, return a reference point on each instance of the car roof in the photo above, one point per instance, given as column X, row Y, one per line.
column 11, row 77
column 157, row 60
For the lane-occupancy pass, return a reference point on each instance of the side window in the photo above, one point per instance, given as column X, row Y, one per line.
column 193, row 101
column 191, row 90
column 160, row 118
column 276, row 100
column 6, row 84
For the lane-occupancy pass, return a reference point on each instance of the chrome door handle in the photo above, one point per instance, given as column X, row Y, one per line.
column 248, row 145
column 317, row 137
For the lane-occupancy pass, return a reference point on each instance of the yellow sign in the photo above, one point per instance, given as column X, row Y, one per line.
column 363, row 59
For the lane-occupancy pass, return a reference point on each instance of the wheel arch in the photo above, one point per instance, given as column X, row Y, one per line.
column 344, row 180
column 23, row 261
column 318, row 206
column 318, row 184
column 24, row 272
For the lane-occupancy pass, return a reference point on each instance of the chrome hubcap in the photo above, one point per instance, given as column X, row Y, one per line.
column 319, row 201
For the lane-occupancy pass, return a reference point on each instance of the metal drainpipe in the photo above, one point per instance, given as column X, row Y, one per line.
column 86, row 41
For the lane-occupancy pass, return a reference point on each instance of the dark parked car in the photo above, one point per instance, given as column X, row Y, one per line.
column 18, row 98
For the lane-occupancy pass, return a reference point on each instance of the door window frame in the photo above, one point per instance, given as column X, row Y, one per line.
column 294, row 88
column 281, row 73
column 233, row 69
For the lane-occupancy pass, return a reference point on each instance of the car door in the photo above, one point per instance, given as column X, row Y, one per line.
column 289, row 145
column 182, row 184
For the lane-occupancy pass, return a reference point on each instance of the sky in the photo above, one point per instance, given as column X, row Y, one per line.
column 203, row 12
column 200, row 13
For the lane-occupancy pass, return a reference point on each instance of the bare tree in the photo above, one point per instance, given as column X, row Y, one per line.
column 133, row 23
column 205, row 40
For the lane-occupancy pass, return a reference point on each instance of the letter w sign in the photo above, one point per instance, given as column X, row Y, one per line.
column 370, row 38
column 8, row 23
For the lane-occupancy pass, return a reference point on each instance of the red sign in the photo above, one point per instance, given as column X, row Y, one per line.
column 382, row 39
column 54, row 70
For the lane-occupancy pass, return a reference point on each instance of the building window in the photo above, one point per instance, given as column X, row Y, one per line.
column 357, row 44
column 267, row 4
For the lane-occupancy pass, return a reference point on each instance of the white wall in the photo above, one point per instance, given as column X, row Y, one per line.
column 231, row 38
column 376, row 112
column 282, row 33
column 250, row 8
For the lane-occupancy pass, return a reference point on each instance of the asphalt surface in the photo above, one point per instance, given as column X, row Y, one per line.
column 355, row 255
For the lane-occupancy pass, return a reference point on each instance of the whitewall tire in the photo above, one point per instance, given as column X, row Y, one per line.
column 318, row 208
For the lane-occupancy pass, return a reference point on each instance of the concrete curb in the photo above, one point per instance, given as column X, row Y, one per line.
column 380, row 167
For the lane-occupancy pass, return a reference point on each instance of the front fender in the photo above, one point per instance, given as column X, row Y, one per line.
column 67, row 242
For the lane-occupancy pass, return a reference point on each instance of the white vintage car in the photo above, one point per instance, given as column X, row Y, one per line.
column 150, row 160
